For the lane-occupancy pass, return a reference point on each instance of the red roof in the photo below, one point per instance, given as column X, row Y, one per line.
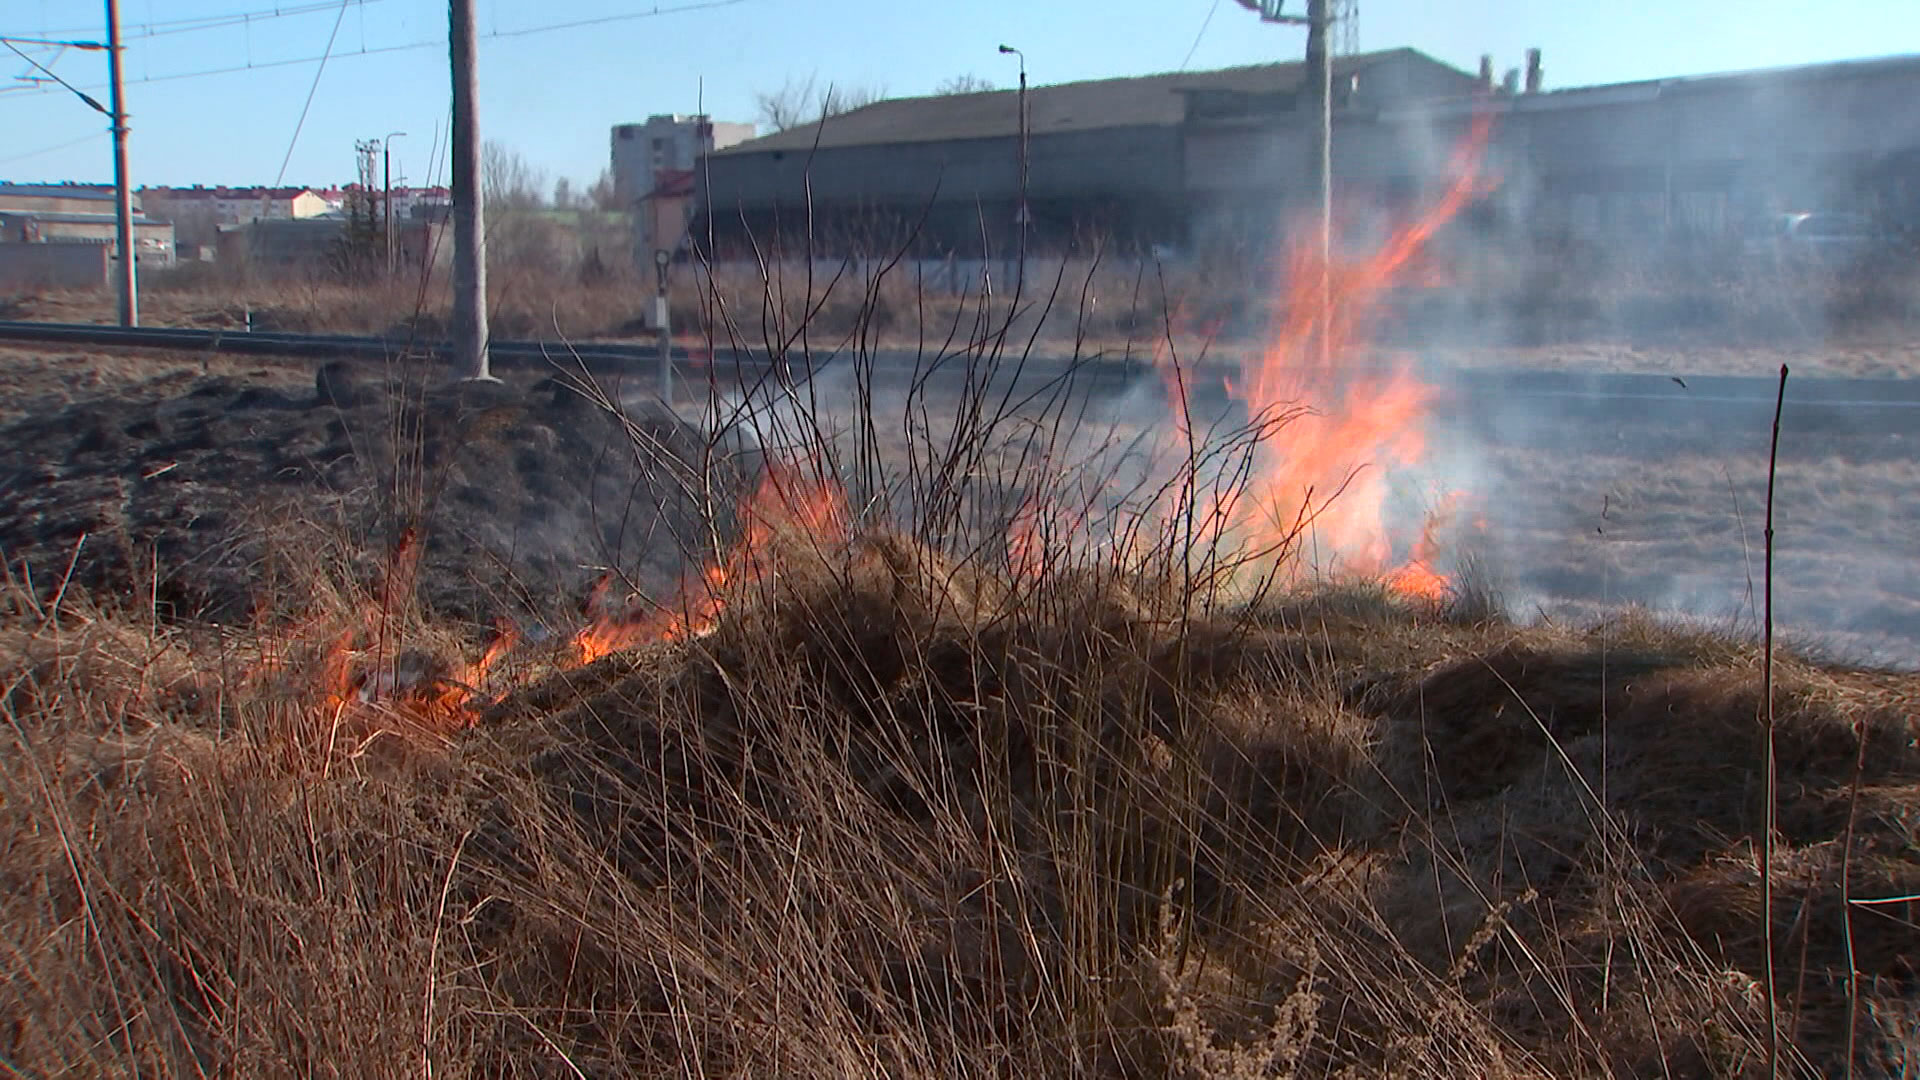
column 672, row 183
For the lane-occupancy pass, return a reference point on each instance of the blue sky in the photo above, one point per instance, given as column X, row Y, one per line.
column 553, row 95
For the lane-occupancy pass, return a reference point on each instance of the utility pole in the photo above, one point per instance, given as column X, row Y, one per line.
column 469, row 222
column 1317, row 82
column 123, row 192
column 386, row 194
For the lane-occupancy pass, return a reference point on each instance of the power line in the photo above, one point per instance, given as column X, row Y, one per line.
column 311, row 90
column 603, row 19
column 436, row 43
column 50, row 149
column 1204, row 23
column 77, row 92
column 195, row 24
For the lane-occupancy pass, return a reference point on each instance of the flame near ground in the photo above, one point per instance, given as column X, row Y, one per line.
column 1307, row 494
column 1302, row 487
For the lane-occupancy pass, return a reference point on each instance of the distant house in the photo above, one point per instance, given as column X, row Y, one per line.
column 230, row 205
column 421, row 202
column 653, row 164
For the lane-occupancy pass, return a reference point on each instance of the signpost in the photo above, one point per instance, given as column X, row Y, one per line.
column 662, row 258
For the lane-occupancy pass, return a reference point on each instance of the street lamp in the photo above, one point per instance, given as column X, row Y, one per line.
column 1021, row 215
column 386, row 195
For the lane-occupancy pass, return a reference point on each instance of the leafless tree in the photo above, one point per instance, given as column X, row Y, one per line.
column 508, row 181
column 805, row 101
column 963, row 84
column 602, row 194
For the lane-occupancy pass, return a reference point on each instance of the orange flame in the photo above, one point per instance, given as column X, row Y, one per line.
column 452, row 702
column 1417, row 578
column 1327, row 432
column 790, row 500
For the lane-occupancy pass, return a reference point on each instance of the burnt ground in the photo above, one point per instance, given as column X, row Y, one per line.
column 192, row 488
column 193, row 479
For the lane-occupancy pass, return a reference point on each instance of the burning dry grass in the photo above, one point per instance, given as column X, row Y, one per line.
column 894, row 815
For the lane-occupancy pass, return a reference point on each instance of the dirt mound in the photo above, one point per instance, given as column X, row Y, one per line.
column 199, row 500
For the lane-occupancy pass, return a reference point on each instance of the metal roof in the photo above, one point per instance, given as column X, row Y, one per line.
column 71, row 218
column 1142, row 101
column 1646, row 90
column 57, row 191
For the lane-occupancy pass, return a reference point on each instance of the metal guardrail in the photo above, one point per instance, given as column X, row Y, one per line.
column 280, row 343
column 1884, row 397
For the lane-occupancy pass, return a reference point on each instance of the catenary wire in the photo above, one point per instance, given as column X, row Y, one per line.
column 435, row 43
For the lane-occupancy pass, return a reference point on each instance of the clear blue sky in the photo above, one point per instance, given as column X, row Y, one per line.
column 553, row 95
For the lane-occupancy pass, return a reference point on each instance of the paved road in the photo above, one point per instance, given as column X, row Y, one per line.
column 1555, row 408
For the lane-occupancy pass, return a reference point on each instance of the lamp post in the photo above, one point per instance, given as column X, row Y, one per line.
column 1021, row 215
column 386, row 195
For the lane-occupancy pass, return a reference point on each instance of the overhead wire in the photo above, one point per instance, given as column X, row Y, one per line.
column 1204, row 23
column 311, row 90
column 198, row 23
column 434, row 43
column 69, row 144
column 49, row 72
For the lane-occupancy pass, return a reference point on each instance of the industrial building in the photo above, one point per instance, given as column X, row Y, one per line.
column 324, row 245
column 39, row 216
column 1206, row 160
column 1106, row 157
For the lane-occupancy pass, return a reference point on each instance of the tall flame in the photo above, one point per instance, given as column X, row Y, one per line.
column 1326, row 431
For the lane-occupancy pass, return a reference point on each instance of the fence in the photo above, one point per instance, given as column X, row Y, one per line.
column 55, row 266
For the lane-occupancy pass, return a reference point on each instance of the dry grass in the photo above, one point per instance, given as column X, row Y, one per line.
column 903, row 812
column 899, row 817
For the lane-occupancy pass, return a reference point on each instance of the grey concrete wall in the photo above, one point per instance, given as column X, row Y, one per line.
column 1115, row 161
column 57, row 266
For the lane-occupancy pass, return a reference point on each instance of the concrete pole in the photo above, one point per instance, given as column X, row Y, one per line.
column 123, row 192
column 1319, row 80
column 469, row 216
column 386, row 201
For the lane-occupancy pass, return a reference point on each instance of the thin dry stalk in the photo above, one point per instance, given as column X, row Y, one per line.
column 1772, row 778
